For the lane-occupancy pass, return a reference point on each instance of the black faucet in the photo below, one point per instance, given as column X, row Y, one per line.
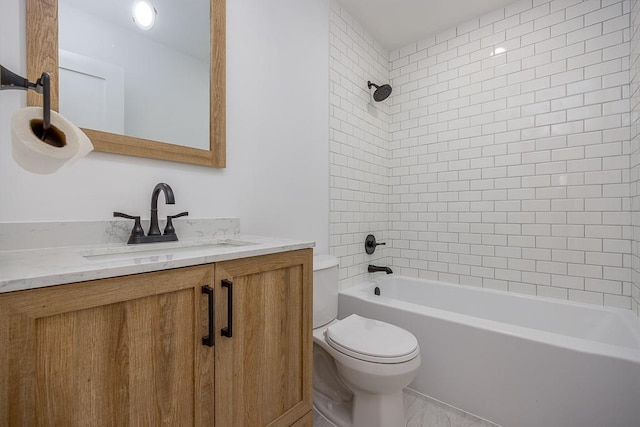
column 154, row 235
column 375, row 269
column 154, row 230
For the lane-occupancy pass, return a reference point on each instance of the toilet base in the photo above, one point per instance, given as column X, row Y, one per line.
column 365, row 410
column 378, row 410
column 338, row 413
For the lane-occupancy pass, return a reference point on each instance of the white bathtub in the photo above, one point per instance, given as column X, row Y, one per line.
column 516, row 360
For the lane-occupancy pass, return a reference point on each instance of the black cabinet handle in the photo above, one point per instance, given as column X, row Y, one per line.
column 208, row 340
column 228, row 330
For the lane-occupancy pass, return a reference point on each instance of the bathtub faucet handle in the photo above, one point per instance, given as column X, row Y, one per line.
column 370, row 244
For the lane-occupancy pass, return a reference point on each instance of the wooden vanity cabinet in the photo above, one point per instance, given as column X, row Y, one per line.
column 264, row 370
column 129, row 350
column 121, row 351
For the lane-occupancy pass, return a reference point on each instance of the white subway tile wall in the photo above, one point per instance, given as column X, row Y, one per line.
column 508, row 152
column 635, row 154
column 359, row 146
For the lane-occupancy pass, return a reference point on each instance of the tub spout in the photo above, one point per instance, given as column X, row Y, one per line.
column 375, row 268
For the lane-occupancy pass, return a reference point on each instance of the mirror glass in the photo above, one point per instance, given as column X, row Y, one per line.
column 118, row 78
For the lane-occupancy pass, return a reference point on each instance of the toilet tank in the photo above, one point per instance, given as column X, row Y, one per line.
column 325, row 289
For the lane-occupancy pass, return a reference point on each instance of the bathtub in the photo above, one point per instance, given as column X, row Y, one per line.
column 516, row 360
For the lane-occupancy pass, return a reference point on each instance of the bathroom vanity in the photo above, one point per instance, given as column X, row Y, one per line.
column 224, row 343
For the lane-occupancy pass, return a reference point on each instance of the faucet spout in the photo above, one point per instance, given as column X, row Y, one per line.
column 375, row 268
column 154, row 229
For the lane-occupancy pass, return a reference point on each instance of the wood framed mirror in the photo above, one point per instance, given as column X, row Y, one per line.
column 43, row 56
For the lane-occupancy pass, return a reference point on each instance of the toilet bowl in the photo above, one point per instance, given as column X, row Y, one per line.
column 361, row 365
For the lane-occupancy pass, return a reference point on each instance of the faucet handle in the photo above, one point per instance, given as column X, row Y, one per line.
column 169, row 228
column 370, row 244
column 137, row 230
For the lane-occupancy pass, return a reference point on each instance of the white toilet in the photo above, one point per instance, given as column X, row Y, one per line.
column 360, row 365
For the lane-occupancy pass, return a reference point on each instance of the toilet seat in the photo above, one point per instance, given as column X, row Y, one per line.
column 372, row 340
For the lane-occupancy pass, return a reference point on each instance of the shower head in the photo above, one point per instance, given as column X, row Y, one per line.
column 381, row 93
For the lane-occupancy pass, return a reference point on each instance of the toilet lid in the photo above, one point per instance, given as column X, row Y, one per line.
column 372, row 340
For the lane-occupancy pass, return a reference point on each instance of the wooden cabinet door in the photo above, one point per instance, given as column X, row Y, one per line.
column 115, row 352
column 263, row 371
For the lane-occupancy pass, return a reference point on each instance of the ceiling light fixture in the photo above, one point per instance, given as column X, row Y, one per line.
column 144, row 14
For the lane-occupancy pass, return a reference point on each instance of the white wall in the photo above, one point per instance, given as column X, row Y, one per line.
column 277, row 178
column 507, row 170
column 359, row 146
column 635, row 153
column 510, row 170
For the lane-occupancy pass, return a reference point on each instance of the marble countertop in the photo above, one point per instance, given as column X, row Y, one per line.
column 36, row 268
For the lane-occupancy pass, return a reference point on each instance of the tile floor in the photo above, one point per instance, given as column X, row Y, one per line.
column 421, row 411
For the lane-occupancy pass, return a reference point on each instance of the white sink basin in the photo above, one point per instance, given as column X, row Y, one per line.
column 157, row 252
